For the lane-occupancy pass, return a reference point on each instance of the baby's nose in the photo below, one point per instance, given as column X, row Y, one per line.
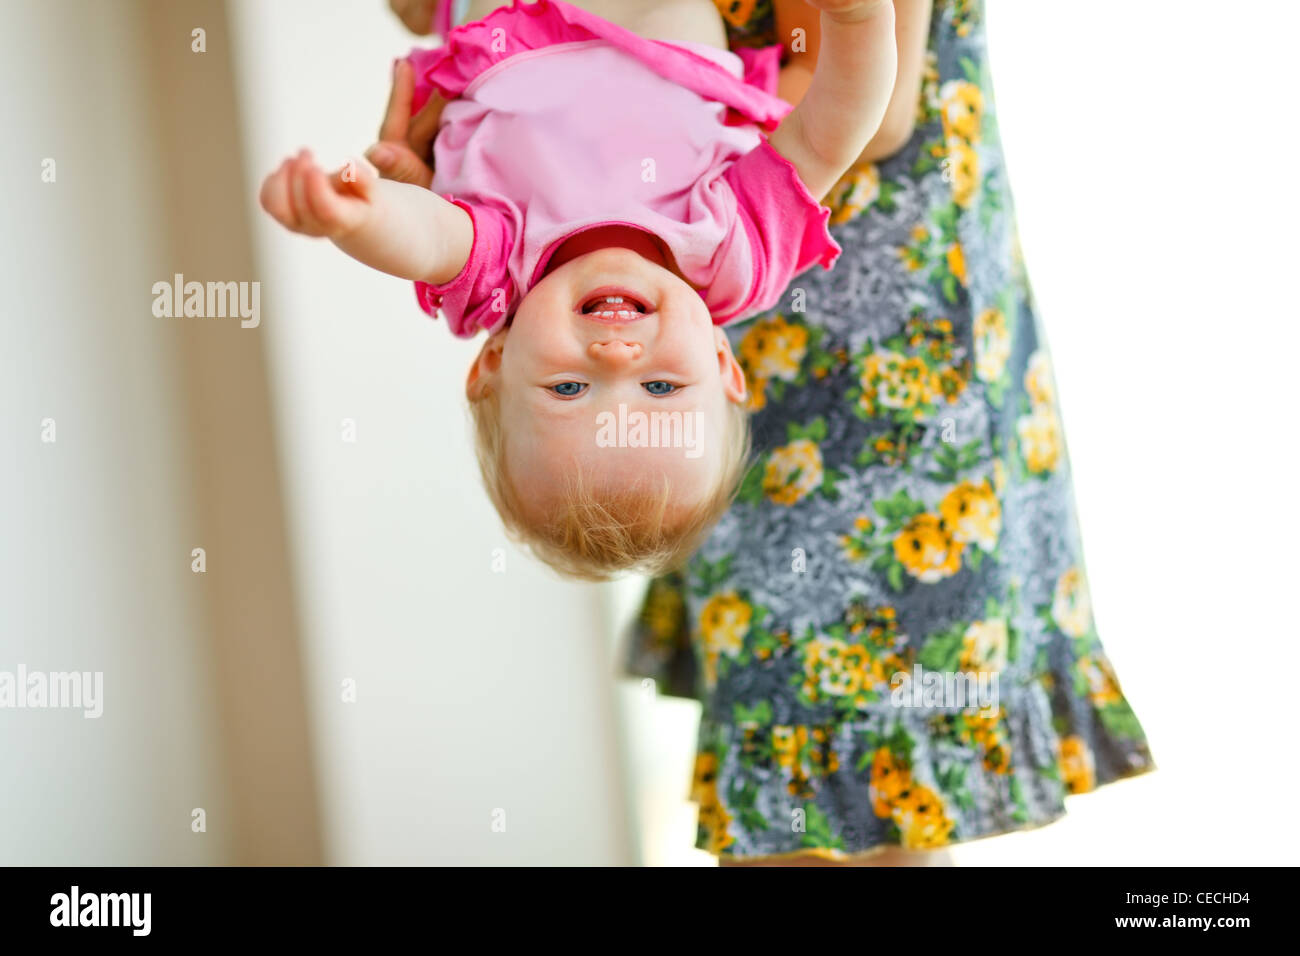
column 615, row 351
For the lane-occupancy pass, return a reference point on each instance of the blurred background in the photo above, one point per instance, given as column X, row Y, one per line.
column 273, row 544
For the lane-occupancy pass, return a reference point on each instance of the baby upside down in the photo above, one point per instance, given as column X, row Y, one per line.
column 602, row 203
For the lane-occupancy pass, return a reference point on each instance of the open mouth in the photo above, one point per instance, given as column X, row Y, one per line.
column 614, row 305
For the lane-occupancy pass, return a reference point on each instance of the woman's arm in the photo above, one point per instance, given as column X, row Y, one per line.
column 911, row 30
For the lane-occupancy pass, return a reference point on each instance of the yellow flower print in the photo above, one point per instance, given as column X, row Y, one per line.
column 1103, row 685
column 927, row 550
column 1072, row 604
column 724, row 622
column 984, row 646
column 736, row 12
column 926, row 833
column 791, row 751
column 957, row 262
column 793, row 472
column 950, row 383
column 1038, row 379
column 973, row 514
column 929, row 102
column 706, row 774
column 1040, row 439
column 892, row 380
column 836, row 669
column 961, row 106
column 921, row 820
column 785, row 746
column 963, row 12
column 662, row 612
column 856, row 190
column 999, row 475
column 1077, row 769
column 961, row 168
column 714, row 821
column 981, row 727
column 824, row 758
column 888, row 781
column 997, row 757
column 992, row 344
column 774, row 348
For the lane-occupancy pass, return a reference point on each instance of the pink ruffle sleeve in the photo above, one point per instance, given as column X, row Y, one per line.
column 482, row 294
column 787, row 228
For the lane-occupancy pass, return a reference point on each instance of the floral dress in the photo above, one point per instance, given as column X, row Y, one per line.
column 909, row 513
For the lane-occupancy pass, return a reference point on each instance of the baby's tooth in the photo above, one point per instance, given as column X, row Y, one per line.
column 613, row 298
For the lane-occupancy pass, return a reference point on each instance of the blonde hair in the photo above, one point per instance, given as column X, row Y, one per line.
column 595, row 533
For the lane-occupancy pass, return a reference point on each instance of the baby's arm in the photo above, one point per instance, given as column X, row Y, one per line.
column 911, row 32
column 398, row 228
column 850, row 91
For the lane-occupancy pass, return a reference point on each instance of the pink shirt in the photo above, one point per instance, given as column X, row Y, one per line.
column 560, row 121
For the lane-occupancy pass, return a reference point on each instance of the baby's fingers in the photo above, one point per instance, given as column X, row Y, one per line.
column 274, row 197
column 356, row 177
column 300, row 169
column 327, row 209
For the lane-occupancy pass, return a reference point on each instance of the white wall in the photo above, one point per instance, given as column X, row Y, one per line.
column 98, row 525
column 476, row 690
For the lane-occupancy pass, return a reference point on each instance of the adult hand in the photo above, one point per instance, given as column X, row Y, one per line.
column 416, row 14
column 405, row 149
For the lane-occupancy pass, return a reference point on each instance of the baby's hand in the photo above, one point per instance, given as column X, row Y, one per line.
column 301, row 197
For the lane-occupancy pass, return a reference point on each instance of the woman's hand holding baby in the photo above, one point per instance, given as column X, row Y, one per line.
column 405, row 146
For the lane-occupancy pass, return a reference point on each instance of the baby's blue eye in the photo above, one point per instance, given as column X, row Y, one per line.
column 659, row 388
column 569, row 389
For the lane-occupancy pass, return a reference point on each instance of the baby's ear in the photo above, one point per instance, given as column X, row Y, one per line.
column 733, row 376
column 486, row 366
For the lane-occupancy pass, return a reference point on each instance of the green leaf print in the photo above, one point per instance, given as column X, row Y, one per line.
column 898, row 509
column 830, row 483
column 814, row 431
column 760, row 713
column 742, row 799
column 885, row 201
column 949, row 287
column 952, row 782
column 1021, row 814
column 901, row 744
column 942, row 650
column 1119, row 719
column 751, row 486
column 819, row 833
column 711, row 575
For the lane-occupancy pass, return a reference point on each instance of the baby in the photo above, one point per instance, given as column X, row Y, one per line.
column 603, row 200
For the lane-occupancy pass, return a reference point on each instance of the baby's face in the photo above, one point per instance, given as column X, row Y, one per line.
column 596, row 348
